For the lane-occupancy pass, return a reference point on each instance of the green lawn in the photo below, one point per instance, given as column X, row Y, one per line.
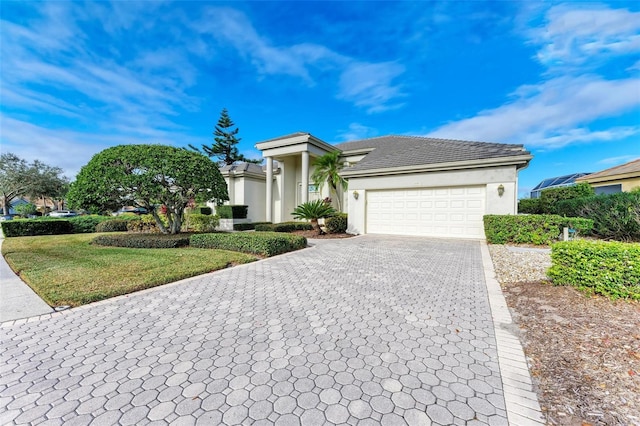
column 69, row 270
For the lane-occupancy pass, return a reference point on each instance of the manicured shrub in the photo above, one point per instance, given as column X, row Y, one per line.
column 143, row 240
column 529, row 206
column 284, row 227
column 87, row 224
column 608, row 268
column 615, row 216
column 232, row 212
column 260, row 243
column 248, row 226
column 203, row 210
column 145, row 223
column 195, row 222
column 549, row 198
column 531, row 229
column 27, row 228
column 113, row 225
column 336, row 224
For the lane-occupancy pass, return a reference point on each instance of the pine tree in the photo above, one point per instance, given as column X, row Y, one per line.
column 224, row 147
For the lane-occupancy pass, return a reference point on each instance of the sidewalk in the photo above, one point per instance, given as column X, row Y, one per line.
column 17, row 300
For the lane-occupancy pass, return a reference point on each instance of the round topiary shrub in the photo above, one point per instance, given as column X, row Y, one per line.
column 336, row 224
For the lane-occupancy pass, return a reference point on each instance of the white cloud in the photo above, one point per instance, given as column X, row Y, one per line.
column 70, row 149
column 365, row 84
column 552, row 114
column 371, row 85
column 575, row 33
column 614, row 161
column 569, row 107
column 357, row 131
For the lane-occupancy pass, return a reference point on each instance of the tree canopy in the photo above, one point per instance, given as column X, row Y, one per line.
column 148, row 176
column 225, row 143
column 327, row 170
column 18, row 178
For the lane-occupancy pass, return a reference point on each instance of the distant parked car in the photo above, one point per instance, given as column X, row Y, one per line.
column 131, row 210
column 6, row 217
column 63, row 213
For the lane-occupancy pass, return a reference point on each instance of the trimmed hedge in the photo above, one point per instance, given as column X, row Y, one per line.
column 284, row 227
column 549, row 198
column 232, row 212
column 531, row 229
column 529, row 206
column 248, row 226
column 260, row 243
column 336, row 224
column 113, row 225
column 200, row 222
column 29, row 228
column 87, row 224
column 608, row 268
column 143, row 240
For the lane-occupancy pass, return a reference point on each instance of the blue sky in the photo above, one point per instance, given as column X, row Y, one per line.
column 561, row 78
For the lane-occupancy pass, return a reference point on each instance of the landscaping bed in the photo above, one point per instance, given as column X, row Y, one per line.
column 584, row 352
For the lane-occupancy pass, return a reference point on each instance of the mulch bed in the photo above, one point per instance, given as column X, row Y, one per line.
column 584, row 353
column 312, row 234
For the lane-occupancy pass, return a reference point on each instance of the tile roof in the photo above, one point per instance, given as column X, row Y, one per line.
column 402, row 151
column 242, row 167
column 630, row 167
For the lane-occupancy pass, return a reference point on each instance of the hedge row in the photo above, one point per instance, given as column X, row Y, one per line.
column 260, row 243
column 232, row 212
column 284, row 227
column 248, row 226
column 615, row 216
column 608, row 268
column 28, row 228
column 143, row 240
column 531, row 229
column 336, row 224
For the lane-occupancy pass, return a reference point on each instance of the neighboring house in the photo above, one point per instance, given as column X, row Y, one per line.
column 397, row 184
column 556, row 182
column 621, row 178
column 15, row 203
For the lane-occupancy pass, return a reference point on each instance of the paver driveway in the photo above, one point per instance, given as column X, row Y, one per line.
column 368, row 330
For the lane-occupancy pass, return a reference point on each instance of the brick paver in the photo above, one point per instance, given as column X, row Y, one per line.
column 368, row 330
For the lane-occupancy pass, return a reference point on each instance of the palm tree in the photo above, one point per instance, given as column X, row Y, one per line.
column 312, row 211
column 327, row 170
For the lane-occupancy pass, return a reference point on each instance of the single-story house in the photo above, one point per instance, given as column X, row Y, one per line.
column 400, row 185
column 621, row 178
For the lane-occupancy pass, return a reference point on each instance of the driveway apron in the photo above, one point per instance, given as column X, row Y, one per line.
column 367, row 330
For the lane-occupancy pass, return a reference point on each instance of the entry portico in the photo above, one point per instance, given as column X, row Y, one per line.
column 294, row 154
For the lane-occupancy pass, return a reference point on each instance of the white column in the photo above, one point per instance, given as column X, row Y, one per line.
column 305, row 176
column 269, row 185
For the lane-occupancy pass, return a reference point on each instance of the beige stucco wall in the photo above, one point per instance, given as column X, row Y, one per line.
column 492, row 177
column 627, row 184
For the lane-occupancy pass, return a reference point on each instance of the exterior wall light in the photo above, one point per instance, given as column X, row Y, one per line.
column 501, row 190
column 356, row 194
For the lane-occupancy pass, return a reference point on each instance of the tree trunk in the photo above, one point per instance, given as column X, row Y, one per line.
column 316, row 227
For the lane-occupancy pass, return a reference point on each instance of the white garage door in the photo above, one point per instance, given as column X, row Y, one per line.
column 435, row 212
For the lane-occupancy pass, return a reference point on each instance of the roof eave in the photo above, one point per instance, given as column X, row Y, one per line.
column 520, row 161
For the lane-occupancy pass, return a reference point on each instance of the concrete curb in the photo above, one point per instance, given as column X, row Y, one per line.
column 520, row 397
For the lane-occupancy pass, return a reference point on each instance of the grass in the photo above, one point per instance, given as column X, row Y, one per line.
column 69, row 270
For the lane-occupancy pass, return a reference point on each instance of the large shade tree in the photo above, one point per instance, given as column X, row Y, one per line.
column 226, row 139
column 36, row 179
column 327, row 170
column 148, row 176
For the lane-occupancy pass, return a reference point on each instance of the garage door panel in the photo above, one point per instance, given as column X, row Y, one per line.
column 439, row 212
